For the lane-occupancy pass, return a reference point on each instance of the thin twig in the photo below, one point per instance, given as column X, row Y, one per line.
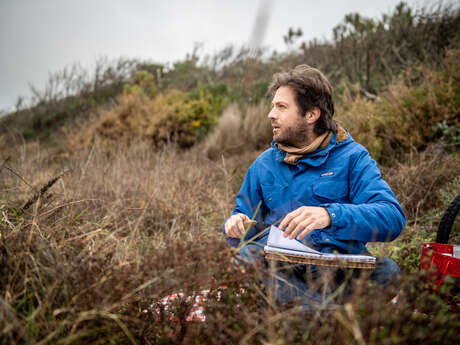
column 4, row 165
column 4, row 162
column 65, row 205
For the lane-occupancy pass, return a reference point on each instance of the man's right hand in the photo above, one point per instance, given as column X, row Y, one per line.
column 236, row 225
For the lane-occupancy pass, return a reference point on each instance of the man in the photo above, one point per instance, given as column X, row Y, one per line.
column 315, row 182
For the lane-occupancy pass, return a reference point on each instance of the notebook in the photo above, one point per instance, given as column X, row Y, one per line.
column 284, row 249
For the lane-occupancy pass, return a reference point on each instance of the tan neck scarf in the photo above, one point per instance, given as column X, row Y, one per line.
column 294, row 154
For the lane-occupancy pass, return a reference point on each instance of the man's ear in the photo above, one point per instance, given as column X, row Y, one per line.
column 312, row 115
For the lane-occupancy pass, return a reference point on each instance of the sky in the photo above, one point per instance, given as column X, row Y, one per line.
column 38, row 37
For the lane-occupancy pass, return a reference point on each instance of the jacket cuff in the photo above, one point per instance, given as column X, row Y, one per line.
column 335, row 213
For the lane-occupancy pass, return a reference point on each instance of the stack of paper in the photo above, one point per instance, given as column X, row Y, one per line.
column 282, row 246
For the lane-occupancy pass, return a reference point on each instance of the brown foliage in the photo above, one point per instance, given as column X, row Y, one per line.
column 418, row 181
column 171, row 117
column 89, row 263
column 235, row 134
column 416, row 102
column 420, row 107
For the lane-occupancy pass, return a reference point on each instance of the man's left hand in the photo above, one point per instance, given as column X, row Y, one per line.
column 303, row 220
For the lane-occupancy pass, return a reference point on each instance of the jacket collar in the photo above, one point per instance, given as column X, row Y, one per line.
column 317, row 157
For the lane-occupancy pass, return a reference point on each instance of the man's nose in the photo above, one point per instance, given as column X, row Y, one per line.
column 272, row 114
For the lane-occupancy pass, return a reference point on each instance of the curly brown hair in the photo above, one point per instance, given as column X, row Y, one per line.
column 312, row 89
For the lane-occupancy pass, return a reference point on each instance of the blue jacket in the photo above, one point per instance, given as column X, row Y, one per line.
column 342, row 178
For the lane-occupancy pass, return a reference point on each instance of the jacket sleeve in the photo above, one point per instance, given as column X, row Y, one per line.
column 249, row 197
column 374, row 213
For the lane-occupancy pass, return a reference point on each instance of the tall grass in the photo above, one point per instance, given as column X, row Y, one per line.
column 236, row 133
column 121, row 229
column 118, row 229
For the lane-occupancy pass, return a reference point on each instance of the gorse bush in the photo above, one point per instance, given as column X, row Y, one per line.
column 141, row 82
column 175, row 117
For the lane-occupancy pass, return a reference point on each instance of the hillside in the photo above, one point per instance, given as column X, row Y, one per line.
column 114, row 190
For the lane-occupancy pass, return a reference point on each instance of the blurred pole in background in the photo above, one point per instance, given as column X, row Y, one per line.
column 260, row 27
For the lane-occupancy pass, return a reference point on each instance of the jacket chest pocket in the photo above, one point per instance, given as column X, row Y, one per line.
column 274, row 195
column 330, row 190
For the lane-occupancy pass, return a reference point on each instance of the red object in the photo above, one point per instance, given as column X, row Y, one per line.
column 442, row 259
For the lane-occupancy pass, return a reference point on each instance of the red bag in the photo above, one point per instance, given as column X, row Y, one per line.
column 443, row 259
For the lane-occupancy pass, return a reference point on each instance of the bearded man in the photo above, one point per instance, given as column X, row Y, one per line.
column 316, row 183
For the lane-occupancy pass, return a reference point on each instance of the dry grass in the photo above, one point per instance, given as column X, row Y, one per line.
column 419, row 180
column 257, row 128
column 124, row 228
column 120, row 228
column 227, row 137
column 358, row 115
column 236, row 133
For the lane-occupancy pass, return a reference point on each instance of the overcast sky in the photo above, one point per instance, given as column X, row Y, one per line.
column 42, row 36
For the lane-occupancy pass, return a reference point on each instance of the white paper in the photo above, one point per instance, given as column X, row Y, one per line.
column 276, row 239
column 277, row 243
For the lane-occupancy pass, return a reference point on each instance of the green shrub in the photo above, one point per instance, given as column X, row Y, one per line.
column 417, row 109
column 28, row 133
column 190, row 119
column 142, row 82
column 174, row 116
column 411, row 110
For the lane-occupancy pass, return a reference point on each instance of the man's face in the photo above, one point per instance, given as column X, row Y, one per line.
column 289, row 126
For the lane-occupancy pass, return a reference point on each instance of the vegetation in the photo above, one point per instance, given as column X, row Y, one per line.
column 113, row 191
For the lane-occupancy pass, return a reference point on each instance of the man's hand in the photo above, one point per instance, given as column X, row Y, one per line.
column 236, row 225
column 303, row 220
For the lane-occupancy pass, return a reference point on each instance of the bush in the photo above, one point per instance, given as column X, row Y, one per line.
column 424, row 186
column 69, row 96
column 171, row 117
column 142, row 82
column 418, row 108
column 358, row 114
column 411, row 109
column 418, row 181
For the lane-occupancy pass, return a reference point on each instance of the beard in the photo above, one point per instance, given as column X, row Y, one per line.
column 296, row 135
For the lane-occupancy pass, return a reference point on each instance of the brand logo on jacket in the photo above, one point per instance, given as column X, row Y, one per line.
column 330, row 173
